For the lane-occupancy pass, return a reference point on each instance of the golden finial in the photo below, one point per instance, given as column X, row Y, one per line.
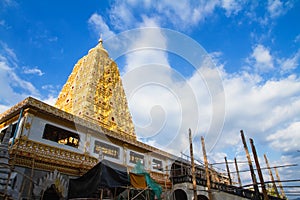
column 100, row 39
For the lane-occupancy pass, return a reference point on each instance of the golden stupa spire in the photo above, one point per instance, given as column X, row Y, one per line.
column 100, row 42
column 94, row 91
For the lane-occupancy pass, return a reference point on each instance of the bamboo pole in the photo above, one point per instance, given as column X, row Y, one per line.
column 238, row 173
column 228, row 171
column 279, row 182
column 260, row 175
column 271, row 176
column 250, row 165
column 206, row 169
column 193, row 165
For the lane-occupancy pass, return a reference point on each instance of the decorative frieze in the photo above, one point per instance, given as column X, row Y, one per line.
column 48, row 157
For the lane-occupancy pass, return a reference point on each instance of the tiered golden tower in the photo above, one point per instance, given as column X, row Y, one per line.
column 94, row 91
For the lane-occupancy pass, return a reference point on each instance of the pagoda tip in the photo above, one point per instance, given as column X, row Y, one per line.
column 100, row 39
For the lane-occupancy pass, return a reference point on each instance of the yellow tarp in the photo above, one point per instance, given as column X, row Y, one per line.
column 138, row 181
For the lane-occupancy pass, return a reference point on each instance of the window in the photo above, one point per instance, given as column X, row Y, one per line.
column 61, row 136
column 11, row 134
column 106, row 149
column 135, row 157
column 157, row 165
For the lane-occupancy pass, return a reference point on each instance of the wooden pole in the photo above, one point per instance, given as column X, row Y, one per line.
column 250, row 166
column 31, row 177
column 228, row 171
column 22, row 187
column 193, row 166
column 238, row 172
column 271, row 176
column 213, row 173
column 206, row 169
column 101, row 194
column 279, row 182
column 260, row 175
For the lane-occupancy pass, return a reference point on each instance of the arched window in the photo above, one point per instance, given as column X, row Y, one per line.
column 202, row 197
column 180, row 195
column 51, row 193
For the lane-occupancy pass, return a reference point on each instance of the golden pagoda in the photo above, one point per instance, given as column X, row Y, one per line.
column 94, row 92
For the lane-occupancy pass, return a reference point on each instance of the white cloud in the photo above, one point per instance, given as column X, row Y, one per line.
column 232, row 6
column 13, row 88
column 262, row 55
column 144, row 55
column 289, row 63
column 288, row 138
column 50, row 100
column 288, row 173
column 121, row 15
column 154, row 97
column 99, row 26
column 259, row 108
column 181, row 14
column 3, row 108
column 277, row 8
column 261, row 59
column 35, row 70
column 8, row 54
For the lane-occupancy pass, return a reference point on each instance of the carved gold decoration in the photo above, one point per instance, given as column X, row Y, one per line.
column 48, row 157
column 27, row 125
column 94, row 91
column 52, row 178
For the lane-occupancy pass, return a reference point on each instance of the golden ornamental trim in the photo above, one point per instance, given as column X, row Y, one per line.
column 49, row 158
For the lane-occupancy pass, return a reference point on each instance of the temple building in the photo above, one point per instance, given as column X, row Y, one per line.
column 43, row 147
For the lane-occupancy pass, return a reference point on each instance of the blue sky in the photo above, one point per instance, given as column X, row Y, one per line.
column 253, row 45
